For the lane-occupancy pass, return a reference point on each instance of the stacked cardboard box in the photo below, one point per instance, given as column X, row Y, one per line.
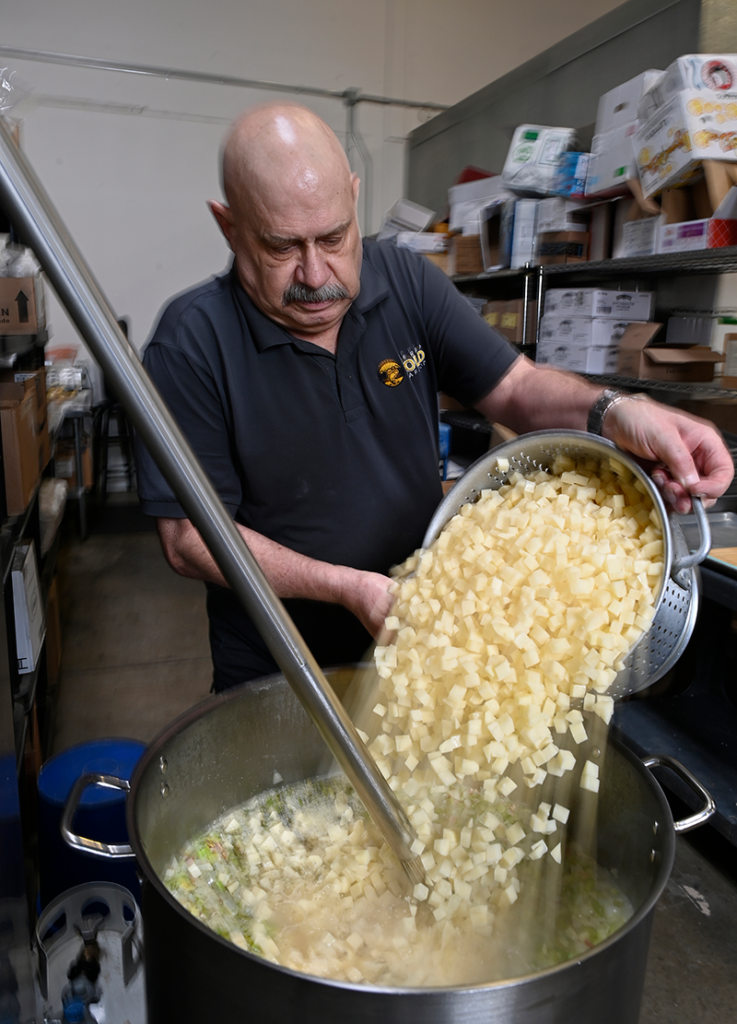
column 689, row 114
column 612, row 162
column 25, row 435
column 531, row 166
column 506, row 316
column 640, row 358
column 464, row 255
column 22, row 309
column 582, row 328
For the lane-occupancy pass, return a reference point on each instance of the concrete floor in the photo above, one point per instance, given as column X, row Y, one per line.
column 692, row 965
column 135, row 652
column 135, row 655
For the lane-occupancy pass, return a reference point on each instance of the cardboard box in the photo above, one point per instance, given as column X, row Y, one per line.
column 25, row 437
column 618, row 107
column 688, row 115
column 612, row 162
column 507, row 317
column 532, row 160
column 14, row 387
column 519, row 232
column 464, row 255
column 570, row 176
column 468, row 200
column 422, row 241
column 404, row 215
column 562, row 247
column 706, row 233
column 589, row 359
column 558, row 214
column 582, row 332
column 599, row 302
column 640, row 359
column 641, row 237
column 22, row 309
column 729, row 370
column 28, row 609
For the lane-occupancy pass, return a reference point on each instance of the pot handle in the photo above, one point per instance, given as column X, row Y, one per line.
column 110, row 850
column 694, row 820
column 695, row 557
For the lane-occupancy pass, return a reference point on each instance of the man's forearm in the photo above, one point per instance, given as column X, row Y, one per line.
column 291, row 574
column 532, row 397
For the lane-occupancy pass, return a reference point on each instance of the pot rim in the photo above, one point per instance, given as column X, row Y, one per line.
column 157, row 747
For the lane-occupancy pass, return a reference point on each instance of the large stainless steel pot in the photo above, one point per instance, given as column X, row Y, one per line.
column 234, row 746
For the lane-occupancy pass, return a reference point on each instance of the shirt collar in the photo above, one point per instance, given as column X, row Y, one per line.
column 266, row 333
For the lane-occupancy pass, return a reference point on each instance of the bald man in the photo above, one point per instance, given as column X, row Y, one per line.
column 306, row 380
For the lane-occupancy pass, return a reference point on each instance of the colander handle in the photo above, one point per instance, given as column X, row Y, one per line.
column 679, row 564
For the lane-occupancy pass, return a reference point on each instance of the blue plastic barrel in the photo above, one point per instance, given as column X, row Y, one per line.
column 100, row 816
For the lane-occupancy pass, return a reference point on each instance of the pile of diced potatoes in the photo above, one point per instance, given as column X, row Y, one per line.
column 507, row 633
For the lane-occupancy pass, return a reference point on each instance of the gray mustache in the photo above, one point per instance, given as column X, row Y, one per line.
column 303, row 293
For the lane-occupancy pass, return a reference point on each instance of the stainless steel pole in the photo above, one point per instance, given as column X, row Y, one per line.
column 26, row 204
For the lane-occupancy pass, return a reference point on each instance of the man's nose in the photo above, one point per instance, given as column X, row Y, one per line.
column 313, row 270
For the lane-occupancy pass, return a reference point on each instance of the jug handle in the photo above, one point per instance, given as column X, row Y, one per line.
column 679, row 564
column 709, row 807
column 99, row 849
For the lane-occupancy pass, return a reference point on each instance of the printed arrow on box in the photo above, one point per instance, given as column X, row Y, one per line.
column 22, row 301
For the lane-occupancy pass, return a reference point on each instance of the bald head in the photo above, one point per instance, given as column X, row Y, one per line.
column 291, row 218
column 279, row 148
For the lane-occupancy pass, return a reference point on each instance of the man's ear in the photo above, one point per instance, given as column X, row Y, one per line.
column 224, row 216
column 355, row 187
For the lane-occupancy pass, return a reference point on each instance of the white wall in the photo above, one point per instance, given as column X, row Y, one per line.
column 129, row 160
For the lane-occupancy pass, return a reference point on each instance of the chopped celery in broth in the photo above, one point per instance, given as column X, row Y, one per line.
column 301, row 876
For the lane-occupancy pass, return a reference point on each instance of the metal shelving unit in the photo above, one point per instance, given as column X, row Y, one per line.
column 627, row 383
column 707, row 262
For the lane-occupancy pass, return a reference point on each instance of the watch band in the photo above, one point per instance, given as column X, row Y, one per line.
column 602, row 405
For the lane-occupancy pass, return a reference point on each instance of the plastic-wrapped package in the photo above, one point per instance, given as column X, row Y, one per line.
column 18, row 261
column 12, row 90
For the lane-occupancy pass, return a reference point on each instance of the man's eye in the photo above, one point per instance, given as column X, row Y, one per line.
column 332, row 242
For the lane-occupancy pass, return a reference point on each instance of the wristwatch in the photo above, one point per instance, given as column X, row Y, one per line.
column 602, row 405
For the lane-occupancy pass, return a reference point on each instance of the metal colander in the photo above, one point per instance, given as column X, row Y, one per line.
column 677, row 603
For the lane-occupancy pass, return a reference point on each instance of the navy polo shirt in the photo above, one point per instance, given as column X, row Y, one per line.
column 331, row 455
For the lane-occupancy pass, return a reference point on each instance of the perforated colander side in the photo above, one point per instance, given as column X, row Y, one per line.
column 662, row 645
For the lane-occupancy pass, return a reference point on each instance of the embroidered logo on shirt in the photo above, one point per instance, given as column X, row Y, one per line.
column 390, row 373
column 414, row 361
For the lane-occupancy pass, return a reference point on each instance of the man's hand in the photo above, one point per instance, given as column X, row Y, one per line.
column 687, row 454
column 367, row 595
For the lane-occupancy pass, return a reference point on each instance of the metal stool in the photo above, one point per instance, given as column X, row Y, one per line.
column 124, row 438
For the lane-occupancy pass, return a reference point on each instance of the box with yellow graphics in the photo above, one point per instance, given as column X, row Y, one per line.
column 688, row 115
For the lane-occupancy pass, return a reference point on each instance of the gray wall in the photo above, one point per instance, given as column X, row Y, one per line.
column 559, row 87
